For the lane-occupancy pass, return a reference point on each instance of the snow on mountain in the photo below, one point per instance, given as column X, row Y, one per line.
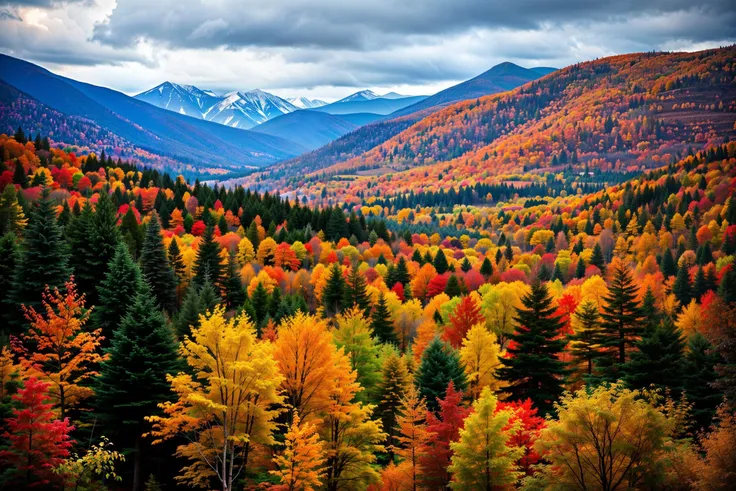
column 394, row 95
column 242, row 110
column 363, row 95
column 305, row 103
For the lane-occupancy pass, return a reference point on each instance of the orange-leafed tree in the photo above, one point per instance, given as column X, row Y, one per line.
column 413, row 435
column 466, row 315
column 56, row 349
column 224, row 405
column 301, row 465
column 284, row 257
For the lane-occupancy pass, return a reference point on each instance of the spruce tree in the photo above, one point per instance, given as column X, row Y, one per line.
column 452, row 287
column 189, row 313
column 622, row 319
column 486, row 268
column 259, row 301
column 43, row 260
column 440, row 262
column 234, row 292
column 207, row 261
column 401, row 273
column 658, row 359
column 727, row 287
column 176, row 260
column 9, row 251
column 381, row 323
column 597, row 259
column 580, row 269
column 78, row 233
column 332, row 296
column 681, row 288
column 156, row 269
column 356, row 292
column 132, row 381
column 440, row 364
column 104, row 242
column 116, row 292
column 668, row 267
column 699, row 375
column 583, row 344
column 533, row 369
column 131, row 232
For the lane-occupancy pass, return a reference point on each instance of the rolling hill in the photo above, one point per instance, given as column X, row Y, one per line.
column 189, row 140
column 310, row 129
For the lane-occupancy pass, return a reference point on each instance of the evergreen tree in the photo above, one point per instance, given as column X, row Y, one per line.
column 43, row 260
column 177, row 260
column 78, row 234
column 658, row 359
column 207, row 261
column 533, row 368
column 440, row 364
column 597, row 259
column 252, row 235
column 131, row 232
column 486, row 269
column 681, row 288
column 727, row 287
column 332, row 296
column 132, row 381
column 9, row 251
column 668, row 267
column 452, row 287
column 156, row 268
column 104, row 240
column 584, row 343
column 337, row 226
column 392, row 386
column 465, row 265
column 233, row 286
column 356, row 292
column 580, row 269
column 401, row 273
column 622, row 319
column 116, row 292
column 259, row 301
column 381, row 323
column 440, row 262
column 700, row 374
column 189, row 312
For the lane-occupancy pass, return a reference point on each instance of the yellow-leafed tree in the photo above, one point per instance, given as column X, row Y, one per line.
column 413, row 435
column 479, row 353
column 301, row 466
column 225, row 409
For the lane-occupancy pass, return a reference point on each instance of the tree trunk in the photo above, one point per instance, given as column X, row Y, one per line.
column 137, row 464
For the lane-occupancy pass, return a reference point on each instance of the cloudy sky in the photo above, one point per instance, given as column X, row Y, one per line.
column 330, row 48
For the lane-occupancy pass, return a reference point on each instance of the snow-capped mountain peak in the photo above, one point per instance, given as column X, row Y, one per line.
column 363, row 95
column 306, row 103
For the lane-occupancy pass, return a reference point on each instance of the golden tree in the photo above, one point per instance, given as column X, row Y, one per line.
column 225, row 409
column 301, row 466
column 413, row 435
column 479, row 353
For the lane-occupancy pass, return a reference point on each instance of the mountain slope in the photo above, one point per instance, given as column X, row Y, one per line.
column 183, row 99
column 305, row 103
column 500, row 78
column 367, row 102
column 310, row 129
column 148, row 127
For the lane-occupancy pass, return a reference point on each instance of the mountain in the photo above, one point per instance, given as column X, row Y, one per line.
column 394, row 95
column 147, row 127
column 305, row 103
column 236, row 109
column 310, row 129
column 502, row 77
column 361, row 119
column 366, row 101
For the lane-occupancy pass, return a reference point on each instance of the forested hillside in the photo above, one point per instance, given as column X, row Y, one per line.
column 393, row 341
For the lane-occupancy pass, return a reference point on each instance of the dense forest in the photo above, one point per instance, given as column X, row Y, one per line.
column 157, row 332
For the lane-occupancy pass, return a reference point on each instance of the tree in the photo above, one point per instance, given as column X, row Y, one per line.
column 43, row 261
column 332, row 296
column 452, row 287
column 381, row 323
column 621, row 319
column 607, row 438
column 527, row 434
column 143, row 352
column 156, row 268
column 353, row 336
column 394, row 383
column 596, row 259
column 532, row 367
column 116, row 292
column 681, row 288
column 466, row 315
column 482, row 458
column 715, row 470
column 584, row 344
column 131, row 232
column 301, row 465
column 9, row 251
column 176, row 260
column 37, row 441
column 233, row 286
column 700, row 375
column 227, row 408
column 658, row 359
column 444, row 430
column 413, row 435
column 440, row 262
column 207, row 261
column 58, row 350
column 12, row 218
column 440, row 364
column 479, row 354
column 104, row 240
column 486, row 268
column 355, row 293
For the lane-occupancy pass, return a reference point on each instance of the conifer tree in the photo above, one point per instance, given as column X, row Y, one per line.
column 597, row 259
column 580, row 269
column 207, row 261
column 116, row 292
column 393, row 384
column 440, row 364
column 234, row 292
column 356, row 293
column 621, row 319
column 486, row 268
column 413, row 435
column 440, row 262
column 188, row 315
column 381, row 323
column 156, row 268
column 334, row 292
column 681, row 288
column 401, row 273
column 104, row 240
column 532, row 368
column 301, row 465
column 142, row 353
column 658, row 359
column 452, row 288
column 668, row 267
column 584, row 343
column 9, row 251
column 131, row 232
column 78, row 233
column 176, row 260
column 43, row 260
column 12, row 218
column 700, row 374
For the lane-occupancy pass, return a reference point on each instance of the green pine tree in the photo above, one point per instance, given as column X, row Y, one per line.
column 381, row 323
column 259, row 300
column 131, row 232
column 132, row 381
column 332, row 296
column 156, row 268
column 440, row 364
column 207, row 261
column 452, row 287
column 533, row 368
column 233, row 286
column 657, row 360
column 681, row 288
column 584, row 343
column 597, row 259
column 486, row 268
column 78, row 234
column 440, row 262
column 699, row 375
column 104, row 240
column 356, row 292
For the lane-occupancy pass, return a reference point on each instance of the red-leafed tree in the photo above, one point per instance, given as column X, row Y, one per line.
column 443, row 430
column 38, row 442
column 531, row 425
column 436, row 285
column 398, row 289
column 466, row 315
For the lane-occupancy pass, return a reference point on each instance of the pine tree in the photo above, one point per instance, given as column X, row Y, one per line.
column 334, row 292
column 486, row 269
column 580, row 269
column 440, row 364
column 658, row 359
column 156, row 268
column 668, row 267
column 401, row 273
column 131, row 232
column 78, row 233
column 356, row 293
column 700, row 374
column 482, row 458
column 452, row 288
column 259, row 300
column 252, row 235
column 43, row 261
column 584, row 343
column 381, row 323
column 532, row 367
column 9, row 251
column 394, row 382
column 681, row 288
column 12, row 218
column 116, row 292
column 234, row 292
column 207, row 261
column 104, row 240
column 189, row 313
column 597, row 259
column 176, row 260
column 142, row 353
column 622, row 319
column 440, row 262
